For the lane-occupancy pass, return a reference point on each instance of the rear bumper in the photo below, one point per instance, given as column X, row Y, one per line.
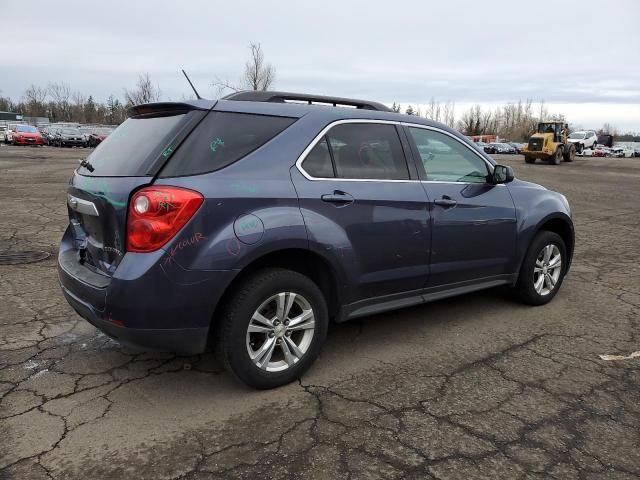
column 145, row 303
column 186, row 341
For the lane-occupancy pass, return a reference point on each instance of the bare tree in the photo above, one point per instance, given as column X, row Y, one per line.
column 258, row 75
column 145, row 92
column 60, row 108
column 34, row 98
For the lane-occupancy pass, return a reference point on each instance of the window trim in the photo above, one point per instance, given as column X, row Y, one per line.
column 408, row 158
column 489, row 165
column 324, row 132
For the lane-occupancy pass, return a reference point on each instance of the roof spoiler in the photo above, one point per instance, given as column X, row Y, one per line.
column 284, row 97
column 159, row 108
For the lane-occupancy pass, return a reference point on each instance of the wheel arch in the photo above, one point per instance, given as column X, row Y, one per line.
column 560, row 224
column 303, row 261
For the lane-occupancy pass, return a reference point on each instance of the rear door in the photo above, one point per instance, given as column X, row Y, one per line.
column 473, row 221
column 363, row 205
column 99, row 191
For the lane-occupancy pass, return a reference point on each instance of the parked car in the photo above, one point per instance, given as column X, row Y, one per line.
column 490, row 148
column 601, row 151
column 621, row 151
column 583, row 139
column 8, row 139
column 48, row 134
column 250, row 222
column 516, row 146
column 97, row 135
column 503, row 148
column 3, row 133
column 636, row 151
column 69, row 137
column 482, row 146
column 26, row 135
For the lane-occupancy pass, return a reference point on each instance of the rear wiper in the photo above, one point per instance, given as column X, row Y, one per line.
column 86, row 164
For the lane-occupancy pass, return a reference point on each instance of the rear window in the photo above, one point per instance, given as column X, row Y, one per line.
column 132, row 147
column 221, row 139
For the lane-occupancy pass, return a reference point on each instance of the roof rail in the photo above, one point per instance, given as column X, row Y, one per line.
column 284, row 97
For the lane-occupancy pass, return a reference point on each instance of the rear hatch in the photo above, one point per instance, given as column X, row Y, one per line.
column 99, row 191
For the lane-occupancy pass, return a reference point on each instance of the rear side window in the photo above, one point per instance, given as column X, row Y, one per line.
column 131, row 148
column 318, row 161
column 367, row 151
column 221, row 139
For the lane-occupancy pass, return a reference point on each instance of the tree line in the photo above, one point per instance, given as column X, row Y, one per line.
column 60, row 103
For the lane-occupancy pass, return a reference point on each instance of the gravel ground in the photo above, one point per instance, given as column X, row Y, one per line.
column 472, row 387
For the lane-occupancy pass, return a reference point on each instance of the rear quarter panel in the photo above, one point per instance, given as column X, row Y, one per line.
column 251, row 207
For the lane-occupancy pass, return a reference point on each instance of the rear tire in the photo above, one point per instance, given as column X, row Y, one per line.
column 530, row 289
column 252, row 322
column 570, row 154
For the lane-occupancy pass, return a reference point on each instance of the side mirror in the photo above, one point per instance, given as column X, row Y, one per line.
column 502, row 174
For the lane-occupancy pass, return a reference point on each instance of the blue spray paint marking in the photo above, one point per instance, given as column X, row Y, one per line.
column 215, row 143
column 168, row 151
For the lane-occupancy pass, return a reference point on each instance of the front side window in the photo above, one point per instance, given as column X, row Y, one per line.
column 367, row 151
column 446, row 159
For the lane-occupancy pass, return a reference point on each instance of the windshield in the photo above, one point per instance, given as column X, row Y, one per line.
column 71, row 131
column 26, row 129
column 578, row 135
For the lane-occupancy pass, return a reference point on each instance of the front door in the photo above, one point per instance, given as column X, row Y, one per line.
column 364, row 209
column 473, row 220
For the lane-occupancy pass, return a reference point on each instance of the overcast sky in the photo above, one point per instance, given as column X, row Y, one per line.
column 581, row 57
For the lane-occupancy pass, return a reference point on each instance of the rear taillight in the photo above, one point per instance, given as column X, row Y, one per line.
column 156, row 214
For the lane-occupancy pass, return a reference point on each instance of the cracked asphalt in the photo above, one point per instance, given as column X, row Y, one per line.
column 472, row 387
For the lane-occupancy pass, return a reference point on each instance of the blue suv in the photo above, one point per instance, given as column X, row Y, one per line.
column 248, row 223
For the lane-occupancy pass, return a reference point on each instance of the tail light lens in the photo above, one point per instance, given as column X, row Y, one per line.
column 156, row 214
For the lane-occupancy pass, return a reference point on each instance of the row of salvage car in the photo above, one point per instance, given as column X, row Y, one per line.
column 617, row 151
column 54, row 135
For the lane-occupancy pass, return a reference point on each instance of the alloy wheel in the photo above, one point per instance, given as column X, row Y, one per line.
column 280, row 331
column 547, row 270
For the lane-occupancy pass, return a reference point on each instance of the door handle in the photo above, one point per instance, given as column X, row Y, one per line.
column 338, row 197
column 446, row 202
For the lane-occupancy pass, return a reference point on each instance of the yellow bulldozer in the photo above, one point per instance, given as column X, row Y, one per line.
column 550, row 144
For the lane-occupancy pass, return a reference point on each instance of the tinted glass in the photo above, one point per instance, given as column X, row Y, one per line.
column 318, row 162
column 221, row 139
column 445, row 159
column 127, row 151
column 368, row 151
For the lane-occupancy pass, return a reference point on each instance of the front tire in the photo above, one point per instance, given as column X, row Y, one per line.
column 272, row 328
column 543, row 269
column 528, row 159
column 570, row 153
column 556, row 158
